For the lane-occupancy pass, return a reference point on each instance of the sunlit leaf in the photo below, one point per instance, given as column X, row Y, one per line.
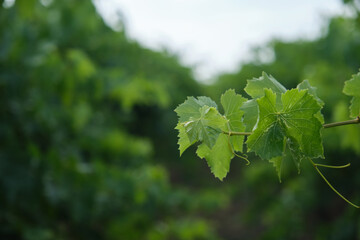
column 231, row 103
column 255, row 88
column 206, row 127
column 251, row 113
column 201, row 121
column 219, row 157
column 312, row 91
column 352, row 88
column 294, row 119
column 190, row 108
column 183, row 140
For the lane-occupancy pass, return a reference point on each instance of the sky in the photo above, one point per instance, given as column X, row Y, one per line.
column 216, row 36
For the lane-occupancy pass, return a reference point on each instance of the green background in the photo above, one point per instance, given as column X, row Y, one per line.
column 88, row 148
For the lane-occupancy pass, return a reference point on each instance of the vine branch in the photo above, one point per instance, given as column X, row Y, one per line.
column 328, row 125
column 336, row 124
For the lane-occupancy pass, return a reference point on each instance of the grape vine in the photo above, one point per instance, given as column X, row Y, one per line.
column 276, row 122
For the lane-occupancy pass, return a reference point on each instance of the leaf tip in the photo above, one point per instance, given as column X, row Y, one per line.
column 221, row 178
column 264, row 74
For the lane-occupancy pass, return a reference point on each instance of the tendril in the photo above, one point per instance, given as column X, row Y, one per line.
column 331, row 166
column 243, row 157
column 328, row 183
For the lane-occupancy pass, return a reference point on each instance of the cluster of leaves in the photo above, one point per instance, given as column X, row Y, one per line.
column 325, row 62
column 279, row 123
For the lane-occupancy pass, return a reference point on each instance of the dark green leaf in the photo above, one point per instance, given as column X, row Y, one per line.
column 294, row 119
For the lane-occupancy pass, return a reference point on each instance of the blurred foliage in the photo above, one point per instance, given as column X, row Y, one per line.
column 88, row 147
column 86, row 118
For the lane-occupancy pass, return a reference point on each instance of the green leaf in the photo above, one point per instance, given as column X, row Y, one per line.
column 184, row 141
column 267, row 139
column 251, row 113
column 190, row 108
column 255, row 87
column 231, row 103
column 295, row 152
column 277, row 163
column 206, row 101
column 355, row 107
column 348, row 137
column 312, row 91
column 290, row 149
column 201, row 121
column 219, row 157
column 301, row 124
column 205, row 126
column 320, row 116
column 352, row 88
column 293, row 118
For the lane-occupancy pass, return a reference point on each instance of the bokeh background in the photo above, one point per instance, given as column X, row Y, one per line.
column 88, row 148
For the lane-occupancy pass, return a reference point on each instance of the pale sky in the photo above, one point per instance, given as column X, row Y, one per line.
column 217, row 35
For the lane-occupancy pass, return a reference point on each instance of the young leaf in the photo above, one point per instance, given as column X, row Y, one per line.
column 267, row 139
column 352, row 88
column 201, row 121
column 312, row 91
column 231, row 103
column 294, row 119
column 184, row 141
column 255, row 87
column 277, row 163
column 250, row 109
column 190, row 108
column 219, row 157
column 299, row 108
column 205, row 126
column 349, row 136
column 295, row 152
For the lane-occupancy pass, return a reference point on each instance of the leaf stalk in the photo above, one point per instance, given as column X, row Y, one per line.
column 237, row 133
column 336, row 124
